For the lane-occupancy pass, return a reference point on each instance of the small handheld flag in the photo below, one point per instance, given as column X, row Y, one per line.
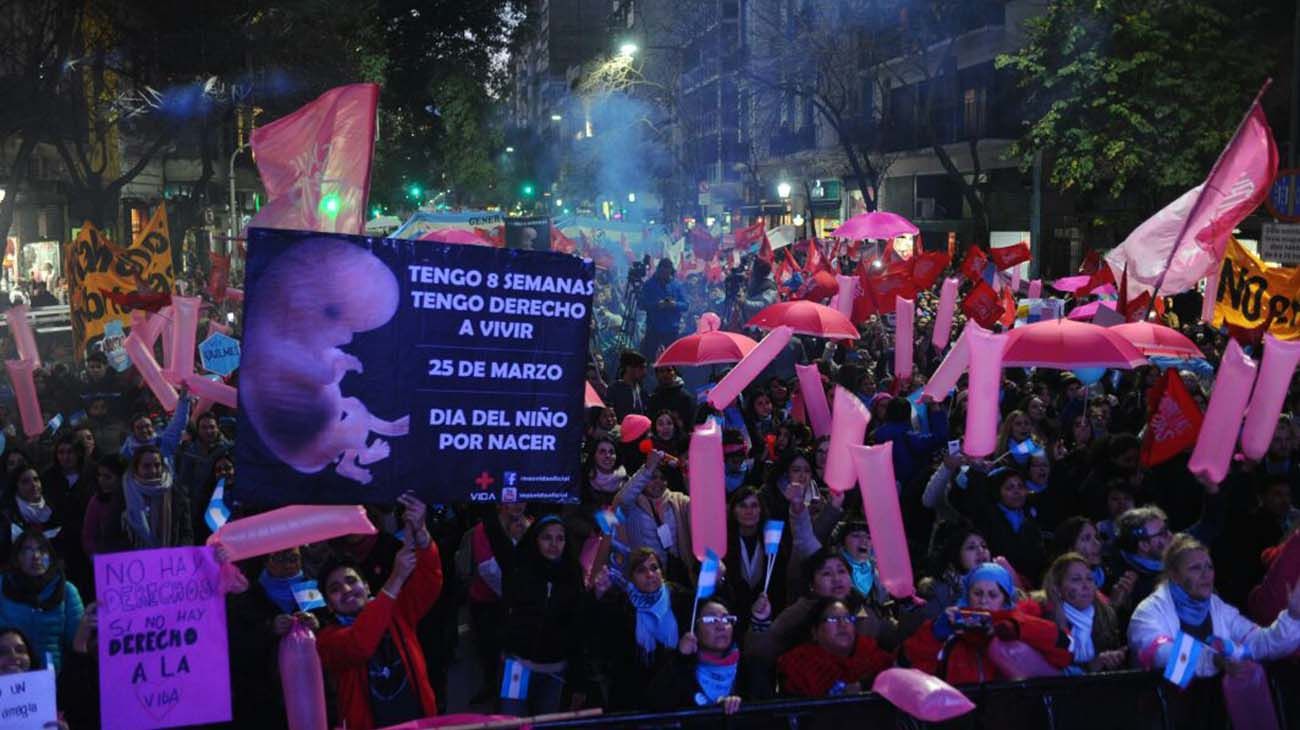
column 514, row 680
column 706, row 584
column 771, row 545
column 607, row 520
column 308, row 596
column 217, row 514
column 1182, row 664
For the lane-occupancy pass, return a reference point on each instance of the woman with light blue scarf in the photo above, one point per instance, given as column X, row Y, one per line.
column 706, row 668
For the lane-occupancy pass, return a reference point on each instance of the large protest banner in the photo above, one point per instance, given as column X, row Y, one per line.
column 95, row 265
column 1251, row 292
column 163, row 657
column 374, row 366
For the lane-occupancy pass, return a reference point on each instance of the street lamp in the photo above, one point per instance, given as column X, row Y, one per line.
column 510, row 150
column 631, row 197
column 557, row 118
column 628, row 49
column 783, row 189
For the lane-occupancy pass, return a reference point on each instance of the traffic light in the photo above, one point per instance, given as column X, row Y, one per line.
column 414, row 191
column 528, row 190
column 330, row 204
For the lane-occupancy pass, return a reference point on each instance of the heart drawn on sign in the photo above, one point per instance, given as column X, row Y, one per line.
column 158, row 698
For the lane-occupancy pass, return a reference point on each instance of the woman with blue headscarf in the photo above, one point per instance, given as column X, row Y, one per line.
column 954, row 647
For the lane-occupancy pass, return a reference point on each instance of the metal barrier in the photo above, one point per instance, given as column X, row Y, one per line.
column 1128, row 699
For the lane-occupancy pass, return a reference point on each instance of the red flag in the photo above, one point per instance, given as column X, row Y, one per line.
column 816, row 262
column 982, row 305
column 750, row 235
column 765, row 252
column 702, row 243
column 1101, row 277
column 1091, row 262
column 782, row 274
column 972, row 267
column 928, row 267
column 894, row 282
column 219, row 277
column 1173, row 420
column 818, row 286
column 1008, row 256
column 315, row 163
column 148, row 301
column 561, row 242
column 1008, row 308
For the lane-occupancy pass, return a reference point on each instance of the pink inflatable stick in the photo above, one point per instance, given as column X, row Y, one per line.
column 1218, row 436
column 143, row 360
column 921, row 695
column 846, row 295
column 286, row 527
column 1035, row 288
column 814, row 399
column 943, row 318
column 849, row 421
column 945, row 377
column 212, row 390
column 749, row 368
column 21, row 330
column 184, row 331
column 29, row 407
column 1018, row 660
column 904, row 337
column 1275, row 371
column 708, row 491
column 302, row 681
column 985, row 385
column 875, row 467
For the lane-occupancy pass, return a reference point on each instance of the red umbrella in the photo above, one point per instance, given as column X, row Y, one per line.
column 708, row 346
column 806, row 318
column 1158, row 340
column 1064, row 344
column 591, row 399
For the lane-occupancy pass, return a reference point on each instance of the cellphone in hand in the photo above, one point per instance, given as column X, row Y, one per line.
column 954, row 447
column 969, row 620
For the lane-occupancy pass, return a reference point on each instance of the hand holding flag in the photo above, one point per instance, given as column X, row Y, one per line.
column 772, row 532
column 707, row 582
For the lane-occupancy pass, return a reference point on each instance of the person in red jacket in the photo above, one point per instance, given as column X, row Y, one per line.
column 954, row 647
column 372, row 650
column 836, row 659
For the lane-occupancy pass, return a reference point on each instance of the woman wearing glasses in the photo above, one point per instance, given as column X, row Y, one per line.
column 836, row 659
column 706, row 666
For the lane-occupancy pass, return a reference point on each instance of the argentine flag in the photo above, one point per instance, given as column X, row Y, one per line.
column 1181, row 667
column 217, row 514
column 772, row 536
column 308, row 596
column 708, row 576
column 607, row 520
column 514, row 680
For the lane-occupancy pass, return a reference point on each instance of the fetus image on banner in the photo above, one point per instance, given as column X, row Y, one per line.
column 310, row 305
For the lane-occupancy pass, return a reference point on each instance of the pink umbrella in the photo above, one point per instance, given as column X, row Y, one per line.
column 876, row 224
column 1064, row 344
column 455, row 235
column 806, row 318
column 708, row 346
column 1070, row 284
column 1085, row 312
column 1153, row 339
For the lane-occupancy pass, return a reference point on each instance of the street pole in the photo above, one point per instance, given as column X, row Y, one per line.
column 233, row 227
column 1036, row 220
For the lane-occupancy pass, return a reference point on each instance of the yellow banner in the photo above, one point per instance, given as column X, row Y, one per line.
column 1252, row 293
column 95, row 265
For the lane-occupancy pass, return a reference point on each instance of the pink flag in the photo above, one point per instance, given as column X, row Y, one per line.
column 315, row 163
column 1186, row 240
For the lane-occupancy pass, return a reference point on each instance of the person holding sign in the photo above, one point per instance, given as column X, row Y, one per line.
column 371, row 648
column 18, row 657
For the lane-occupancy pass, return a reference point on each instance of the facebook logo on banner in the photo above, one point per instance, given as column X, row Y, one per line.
column 510, row 478
column 514, row 680
column 308, row 596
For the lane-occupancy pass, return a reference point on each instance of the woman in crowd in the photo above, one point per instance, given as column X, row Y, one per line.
column 954, row 647
column 747, row 560
column 36, row 598
column 1016, row 433
column 706, row 668
column 762, row 421
column 997, row 503
column 157, row 513
column 659, row 518
column 1185, row 603
column 1071, row 599
column 370, row 649
column 605, row 475
column 545, row 620
column 641, row 620
column 490, row 555
column 143, row 432
column 221, row 471
column 1079, row 536
column 28, row 509
column 667, row 435
column 836, row 659
column 103, row 530
column 960, row 548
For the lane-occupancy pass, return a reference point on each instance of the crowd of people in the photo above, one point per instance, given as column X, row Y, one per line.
column 1062, row 540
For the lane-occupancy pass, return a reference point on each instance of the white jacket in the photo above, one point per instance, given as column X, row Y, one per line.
column 1155, row 624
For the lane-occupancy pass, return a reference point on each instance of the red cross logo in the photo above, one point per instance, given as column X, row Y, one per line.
column 484, row 480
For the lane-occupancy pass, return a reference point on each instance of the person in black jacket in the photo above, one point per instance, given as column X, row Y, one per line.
column 544, row 622
column 997, row 505
column 670, row 395
column 705, row 669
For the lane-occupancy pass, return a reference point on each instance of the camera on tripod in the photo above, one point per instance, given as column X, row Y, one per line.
column 636, row 273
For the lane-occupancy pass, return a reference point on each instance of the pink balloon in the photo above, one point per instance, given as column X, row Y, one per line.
column 1275, row 370
column 184, row 331
column 234, row 295
column 875, row 468
column 943, row 319
column 1015, row 279
column 143, row 360
column 215, row 326
column 168, row 316
column 1035, row 288
column 749, row 368
column 29, row 407
column 21, row 330
column 849, row 421
column 904, row 337
column 1211, row 296
column 286, row 527
column 1017, row 660
column 814, row 399
column 921, row 695
column 147, row 327
column 302, row 681
column 847, row 294
column 954, row 364
column 1249, row 701
column 203, row 405
column 708, row 491
column 211, row 390
column 985, row 385
column 1218, row 436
